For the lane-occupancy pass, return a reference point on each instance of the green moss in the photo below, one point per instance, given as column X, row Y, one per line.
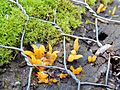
column 38, row 31
column 12, row 20
column 91, row 2
column 105, row 2
column 11, row 26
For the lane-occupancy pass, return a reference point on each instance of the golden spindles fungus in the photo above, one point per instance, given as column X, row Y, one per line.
column 92, row 59
column 101, row 8
column 53, row 80
column 42, row 77
column 76, row 71
column 76, row 45
column 73, row 55
column 113, row 11
column 63, row 75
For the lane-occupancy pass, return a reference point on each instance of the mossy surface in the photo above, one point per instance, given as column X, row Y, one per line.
column 91, row 2
column 105, row 2
column 12, row 20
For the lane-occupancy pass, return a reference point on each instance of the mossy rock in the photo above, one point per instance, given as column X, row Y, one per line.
column 68, row 17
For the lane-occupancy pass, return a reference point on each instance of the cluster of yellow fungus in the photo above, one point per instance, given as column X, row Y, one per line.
column 73, row 55
column 101, row 8
column 39, row 57
column 114, row 10
column 63, row 75
column 92, row 59
column 53, row 80
column 76, row 71
column 42, row 77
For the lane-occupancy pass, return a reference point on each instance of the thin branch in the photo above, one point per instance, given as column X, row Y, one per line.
column 95, row 84
column 116, row 57
column 16, row 1
column 79, row 85
column 106, row 19
column 53, row 24
column 96, row 26
column 8, row 47
column 29, row 78
column 43, row 20
column 26, row 59
column 20, row 7
column 21, row 41
column 65, row 65
column 82, row 38
column 54, row 67
column 54, row 16
column 108, row 68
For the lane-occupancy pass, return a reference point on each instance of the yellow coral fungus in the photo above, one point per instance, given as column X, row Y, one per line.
column 76, row 45
column 77, row 57
column 114, row 10
column 53, row 80
column 76, row 71
column 101, row 8
column 28, row 53
column 42, row 77
column 51, row 57
column 40, row 52
column 50, row 48
column 34, row 47
column 89, row 59
column 33, row 60
column 63, row 75
column 73, row 57
column 39, row 56
column 92, row 59
column 70, row 58
column 41, row 68
column 73, row 52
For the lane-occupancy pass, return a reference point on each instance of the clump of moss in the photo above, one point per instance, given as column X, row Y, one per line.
column 105, row 2
column 11, row 26
column 38, row 31
column 91, row 2
column 67, row 15
column 12, row 20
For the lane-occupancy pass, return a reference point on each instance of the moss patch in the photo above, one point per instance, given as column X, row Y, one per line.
column 12, row 20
